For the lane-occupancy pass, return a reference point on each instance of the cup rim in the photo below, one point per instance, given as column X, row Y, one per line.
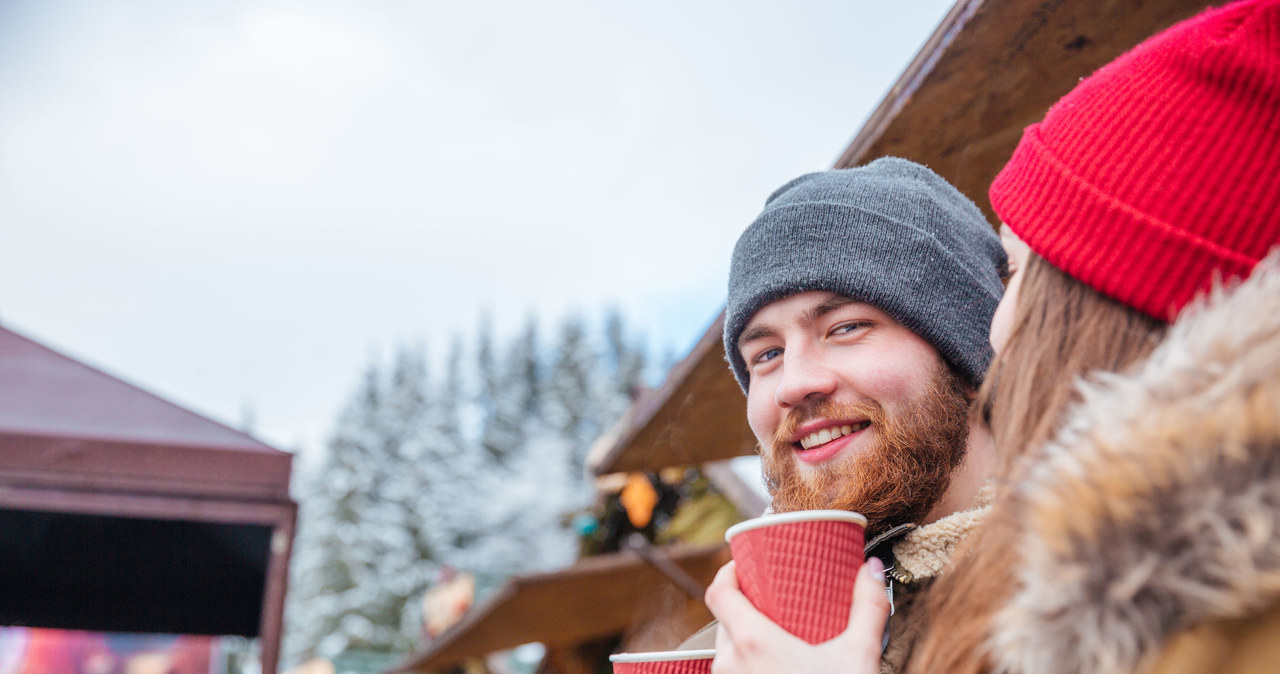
column 795, row 516
column 663, row 656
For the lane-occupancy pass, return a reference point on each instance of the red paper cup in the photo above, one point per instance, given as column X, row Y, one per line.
column 799, row 568
column 663, row 662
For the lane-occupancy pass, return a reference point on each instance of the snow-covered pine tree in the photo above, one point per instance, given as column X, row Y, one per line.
column 481, row 470
column 627, row 362
column 525, row 371
column 574, row 396
column 500, row 399
column 413, row 522
column 372, row 519
column 336, row 579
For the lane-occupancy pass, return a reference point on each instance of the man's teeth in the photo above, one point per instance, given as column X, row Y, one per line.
column 828, row 434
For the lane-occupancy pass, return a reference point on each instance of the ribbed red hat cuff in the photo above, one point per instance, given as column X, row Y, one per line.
column 1116, row 250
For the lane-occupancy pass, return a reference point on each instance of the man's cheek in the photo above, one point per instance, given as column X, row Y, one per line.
column 762, row 426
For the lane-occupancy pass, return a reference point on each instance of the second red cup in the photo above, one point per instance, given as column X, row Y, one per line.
column 663, row 662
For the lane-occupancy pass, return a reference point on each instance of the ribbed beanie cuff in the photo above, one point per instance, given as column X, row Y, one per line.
column 1161, row 172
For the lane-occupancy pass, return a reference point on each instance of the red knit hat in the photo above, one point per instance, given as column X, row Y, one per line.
column 1161, row 170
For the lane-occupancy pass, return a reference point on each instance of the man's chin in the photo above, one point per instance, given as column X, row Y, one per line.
column 826, row 494
column 815, row 488
column 830, row 475
column 838, row 487
column 833, row 479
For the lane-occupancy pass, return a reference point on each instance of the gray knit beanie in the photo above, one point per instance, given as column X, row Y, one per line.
column 893, row 234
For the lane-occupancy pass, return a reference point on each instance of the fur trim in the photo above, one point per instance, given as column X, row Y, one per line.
column 924, row 551
column 1157, row 507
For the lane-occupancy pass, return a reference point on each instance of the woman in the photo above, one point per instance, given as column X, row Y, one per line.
column 1136, row 523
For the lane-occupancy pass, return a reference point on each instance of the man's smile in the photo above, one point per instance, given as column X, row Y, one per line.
column 825, row 435
column 819, row 441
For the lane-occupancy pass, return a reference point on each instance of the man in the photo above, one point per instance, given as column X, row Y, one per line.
column 859, row 305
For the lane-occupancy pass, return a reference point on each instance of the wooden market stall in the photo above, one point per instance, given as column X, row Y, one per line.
column 599, row 598
column 122, row 512
column 991, row 68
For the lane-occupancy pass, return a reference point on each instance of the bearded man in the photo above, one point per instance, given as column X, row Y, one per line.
column 859, row 305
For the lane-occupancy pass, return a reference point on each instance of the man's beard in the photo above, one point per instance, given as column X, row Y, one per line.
column 900, row 479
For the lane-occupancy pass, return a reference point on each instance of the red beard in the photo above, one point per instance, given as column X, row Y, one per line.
column 903, row 475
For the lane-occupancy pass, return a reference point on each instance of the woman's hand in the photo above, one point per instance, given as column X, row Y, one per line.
column 747, row 642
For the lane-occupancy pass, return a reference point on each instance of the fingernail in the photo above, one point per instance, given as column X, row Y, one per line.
column 877, row 568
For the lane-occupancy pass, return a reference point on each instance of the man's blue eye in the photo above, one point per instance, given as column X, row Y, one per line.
column 767, row 355
column 845, row 328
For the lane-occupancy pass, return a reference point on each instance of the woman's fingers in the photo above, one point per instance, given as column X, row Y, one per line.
column 727, row 603
column 745, row 626
column 724, row 660
column 728, row 574
column 747, row 642
column 870, row 609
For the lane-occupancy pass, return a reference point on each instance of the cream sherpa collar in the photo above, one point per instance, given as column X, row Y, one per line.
column 925, row 550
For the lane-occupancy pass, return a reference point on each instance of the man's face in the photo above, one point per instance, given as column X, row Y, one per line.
column 852, row 410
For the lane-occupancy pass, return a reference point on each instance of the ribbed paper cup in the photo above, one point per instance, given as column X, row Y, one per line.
column 799, row 568
column 663, row 662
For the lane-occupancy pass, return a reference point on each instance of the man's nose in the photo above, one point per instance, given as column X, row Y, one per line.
column 804, row 377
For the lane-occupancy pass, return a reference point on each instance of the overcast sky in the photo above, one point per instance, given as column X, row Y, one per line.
column 238, row 204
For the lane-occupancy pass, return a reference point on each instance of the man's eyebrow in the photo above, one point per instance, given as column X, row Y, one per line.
column 755, row 332
column 827, row 306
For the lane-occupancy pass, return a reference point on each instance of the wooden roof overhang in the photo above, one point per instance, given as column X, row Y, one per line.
column 595, row 598
column 120, row 511
column 698, row 415
column 991, row 68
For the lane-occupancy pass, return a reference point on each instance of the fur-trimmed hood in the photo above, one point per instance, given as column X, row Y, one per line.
column 1158, row 506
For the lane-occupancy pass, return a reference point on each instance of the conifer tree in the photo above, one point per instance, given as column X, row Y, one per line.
column 524, row 370
column 627, row 360
column 571, row 396
column 499, row 400
column 481, row 469
column 335, row 570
